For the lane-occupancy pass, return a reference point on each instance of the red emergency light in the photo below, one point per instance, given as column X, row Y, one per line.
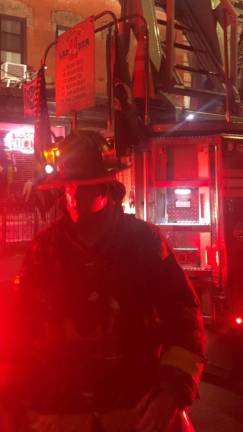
column 239, row 320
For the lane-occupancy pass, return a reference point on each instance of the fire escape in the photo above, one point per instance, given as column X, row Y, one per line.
column 193, row 55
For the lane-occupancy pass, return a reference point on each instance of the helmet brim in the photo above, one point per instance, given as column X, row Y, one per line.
column 55, row 181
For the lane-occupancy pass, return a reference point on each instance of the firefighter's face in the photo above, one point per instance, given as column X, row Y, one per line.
column 84, row 201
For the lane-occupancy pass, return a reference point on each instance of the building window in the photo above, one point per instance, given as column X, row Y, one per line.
column 12, row 39
column 60, row 30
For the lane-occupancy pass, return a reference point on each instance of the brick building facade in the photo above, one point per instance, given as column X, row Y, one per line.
column 27, row 28
column 41, row 23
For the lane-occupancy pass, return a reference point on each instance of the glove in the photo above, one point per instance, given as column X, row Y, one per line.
column 156, row 412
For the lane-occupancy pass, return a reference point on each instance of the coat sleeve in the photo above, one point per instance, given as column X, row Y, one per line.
column 182, row 332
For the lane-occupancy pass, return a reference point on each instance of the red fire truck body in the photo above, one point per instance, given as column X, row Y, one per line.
column 189, row 182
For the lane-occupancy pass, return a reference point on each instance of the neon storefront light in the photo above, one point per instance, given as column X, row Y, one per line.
column 20, row 140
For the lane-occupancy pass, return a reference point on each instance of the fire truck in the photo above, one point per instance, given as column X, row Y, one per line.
column 188, row 176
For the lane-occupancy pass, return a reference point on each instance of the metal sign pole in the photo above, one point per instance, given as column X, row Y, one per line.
column 226, row 67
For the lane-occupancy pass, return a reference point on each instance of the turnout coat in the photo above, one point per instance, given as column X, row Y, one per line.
column 95, row 328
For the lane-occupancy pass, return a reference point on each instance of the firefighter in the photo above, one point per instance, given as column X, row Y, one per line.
column 105, row 331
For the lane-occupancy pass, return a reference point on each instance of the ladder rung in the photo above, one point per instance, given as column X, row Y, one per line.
column 189, row 91
column 186, row 47
column 189, row 48
column 199, row 71
column 177, row 26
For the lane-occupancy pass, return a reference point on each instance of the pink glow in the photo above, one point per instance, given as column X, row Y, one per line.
column 20, row 140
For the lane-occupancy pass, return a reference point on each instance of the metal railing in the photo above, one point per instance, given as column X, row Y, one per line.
column 20, row 223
